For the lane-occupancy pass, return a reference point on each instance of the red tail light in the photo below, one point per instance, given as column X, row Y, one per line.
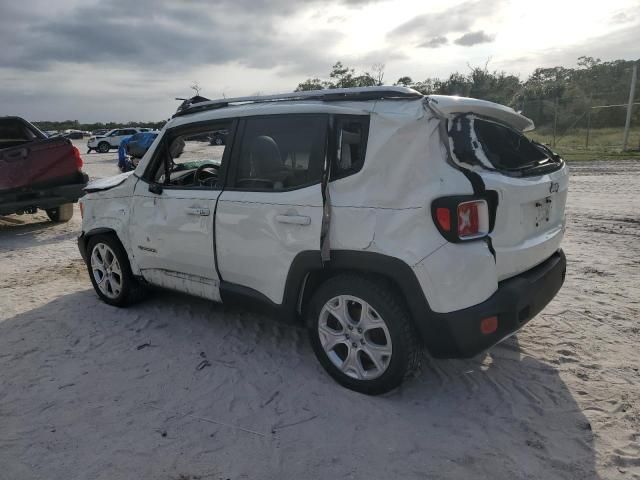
column 462, row 217
column 473, row 219
column 76, row 155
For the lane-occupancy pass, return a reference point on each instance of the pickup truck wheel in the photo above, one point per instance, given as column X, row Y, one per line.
column 362, row 335
column 110, row 272
column 63, row 213
column 103, row 147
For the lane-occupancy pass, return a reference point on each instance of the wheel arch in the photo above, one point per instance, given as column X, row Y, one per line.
column 307, row 272
column 83, row 239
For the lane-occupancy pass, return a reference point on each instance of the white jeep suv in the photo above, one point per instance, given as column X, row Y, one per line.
column 383, row 219
column 111, row 139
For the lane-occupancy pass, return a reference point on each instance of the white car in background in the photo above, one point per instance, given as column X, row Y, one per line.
column 384, row 220
column 111, row 139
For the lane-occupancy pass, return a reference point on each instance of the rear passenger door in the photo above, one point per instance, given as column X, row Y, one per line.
column 271, row 208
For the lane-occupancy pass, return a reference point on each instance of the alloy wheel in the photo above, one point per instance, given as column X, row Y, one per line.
column 106, row 270
column 355, row 337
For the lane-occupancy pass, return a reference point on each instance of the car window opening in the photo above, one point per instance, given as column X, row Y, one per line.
column 281, row 153
column 490, row 145
column 193, row 159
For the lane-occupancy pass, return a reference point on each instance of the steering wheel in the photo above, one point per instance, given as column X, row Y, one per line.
column 210, row 168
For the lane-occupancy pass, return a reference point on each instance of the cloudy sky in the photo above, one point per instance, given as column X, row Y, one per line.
column 127, row 60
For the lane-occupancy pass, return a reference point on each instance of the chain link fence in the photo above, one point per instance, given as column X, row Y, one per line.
column 586, row 127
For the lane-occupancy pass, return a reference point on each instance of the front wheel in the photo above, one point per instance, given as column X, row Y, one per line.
column 62, row 213
column 103, row 147
column 362, row 335
column 110, row 272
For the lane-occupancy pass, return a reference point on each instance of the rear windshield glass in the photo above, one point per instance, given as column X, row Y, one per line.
column 477, row 141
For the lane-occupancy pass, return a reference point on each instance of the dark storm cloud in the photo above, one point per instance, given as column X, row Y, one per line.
column 426, row 28
column 160, row 35
column 434, row 42
column 615, row 45
column 473, row 38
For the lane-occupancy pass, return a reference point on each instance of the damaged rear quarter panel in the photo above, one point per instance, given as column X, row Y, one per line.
column 386, row 208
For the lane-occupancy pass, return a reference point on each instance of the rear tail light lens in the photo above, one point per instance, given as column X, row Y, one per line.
column 76, row 155
column 473, row 219
column 461, row 218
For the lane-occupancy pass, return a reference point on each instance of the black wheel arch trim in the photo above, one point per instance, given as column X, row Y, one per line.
column 308, row 263
column 445, row 335
column 83, row 239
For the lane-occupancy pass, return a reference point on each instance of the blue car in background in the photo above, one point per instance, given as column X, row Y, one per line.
column 134, row 146
column 140, row 143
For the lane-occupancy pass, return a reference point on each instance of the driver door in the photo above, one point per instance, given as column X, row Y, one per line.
column 172, row 222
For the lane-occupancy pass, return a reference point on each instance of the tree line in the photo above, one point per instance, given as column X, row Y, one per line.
column 557, row 93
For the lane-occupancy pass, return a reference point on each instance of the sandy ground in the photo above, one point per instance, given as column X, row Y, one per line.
column 88, row 391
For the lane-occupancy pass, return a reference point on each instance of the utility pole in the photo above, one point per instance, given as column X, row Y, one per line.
column 555, row 121
column 589, row 120
column 588, row 127
column 632, row 91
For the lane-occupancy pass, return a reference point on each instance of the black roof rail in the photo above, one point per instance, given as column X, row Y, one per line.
column 200, row 104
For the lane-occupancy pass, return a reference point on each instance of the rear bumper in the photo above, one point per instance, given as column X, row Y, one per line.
column 44, row 198
column 517, row 300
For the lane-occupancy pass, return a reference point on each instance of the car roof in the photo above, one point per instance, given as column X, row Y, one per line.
column 198, row 104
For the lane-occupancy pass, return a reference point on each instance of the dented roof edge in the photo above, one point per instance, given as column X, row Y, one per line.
column 444, row 105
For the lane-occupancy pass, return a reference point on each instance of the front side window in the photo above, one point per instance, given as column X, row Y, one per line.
column 281, row 152
column 189, row 160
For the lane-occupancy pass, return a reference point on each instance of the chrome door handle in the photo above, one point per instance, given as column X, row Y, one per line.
column 294, row 219
column 203, row 212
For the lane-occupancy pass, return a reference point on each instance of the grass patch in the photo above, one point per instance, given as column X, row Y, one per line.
column 604, row 143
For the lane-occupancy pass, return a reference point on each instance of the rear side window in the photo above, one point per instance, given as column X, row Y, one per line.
column 281, row 152
column 351, row 139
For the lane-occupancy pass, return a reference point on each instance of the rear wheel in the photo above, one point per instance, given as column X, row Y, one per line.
column 103, row 147
column 62, row 213
column 362, row 334
column 110, row 272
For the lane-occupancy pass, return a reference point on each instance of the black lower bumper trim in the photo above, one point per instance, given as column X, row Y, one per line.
column 517, row 300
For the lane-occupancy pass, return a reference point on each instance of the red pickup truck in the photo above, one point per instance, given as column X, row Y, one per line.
column 37, row 172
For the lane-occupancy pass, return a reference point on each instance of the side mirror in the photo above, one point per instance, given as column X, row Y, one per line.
column 155, row 188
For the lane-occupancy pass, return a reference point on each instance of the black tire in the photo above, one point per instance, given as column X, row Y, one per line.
column 103, row 147
column 132, row 290
column 89, row 150
column 62, row 213
column 218, row 141
column 406, row 350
